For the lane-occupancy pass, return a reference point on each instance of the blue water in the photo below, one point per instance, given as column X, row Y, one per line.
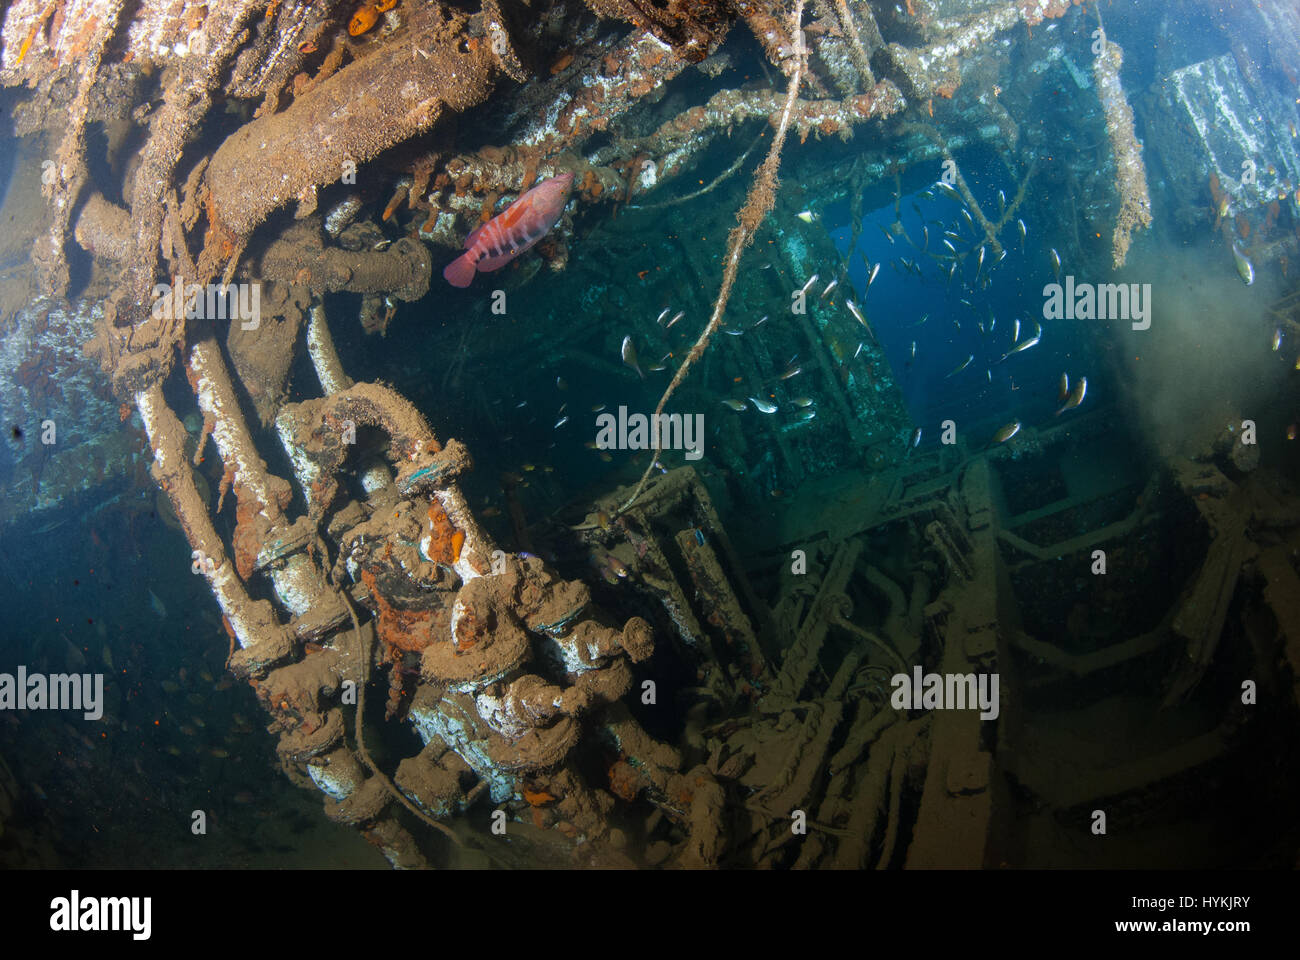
column 1023, row 386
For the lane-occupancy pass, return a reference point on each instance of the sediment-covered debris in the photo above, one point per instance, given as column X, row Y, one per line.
column 300, row 151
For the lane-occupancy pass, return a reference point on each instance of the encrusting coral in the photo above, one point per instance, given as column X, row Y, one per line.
column 1130, row 174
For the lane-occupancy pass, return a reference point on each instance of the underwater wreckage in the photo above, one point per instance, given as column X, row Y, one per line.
column 329, row 154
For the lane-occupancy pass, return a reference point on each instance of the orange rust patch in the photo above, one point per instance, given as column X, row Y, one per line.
column 623, row 781
column 560, row 64
column 538, row 798
column 403, row 629
column 1273, row 211
column 363, row 20
column 530, row 175
column 444, row 547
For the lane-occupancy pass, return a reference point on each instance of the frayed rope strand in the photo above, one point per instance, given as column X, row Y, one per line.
column 759, row 202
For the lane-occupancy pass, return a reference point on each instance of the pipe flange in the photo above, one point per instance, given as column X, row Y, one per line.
column 486, row 642
column 538, row 749
column 551, row 606
column 301, row 745
column 430, row 472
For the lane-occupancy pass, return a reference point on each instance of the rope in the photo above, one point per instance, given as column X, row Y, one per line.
column 761, row 198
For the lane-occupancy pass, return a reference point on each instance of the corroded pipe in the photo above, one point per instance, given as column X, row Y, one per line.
column 372, row 104
column 263, row 535
column 253, row 623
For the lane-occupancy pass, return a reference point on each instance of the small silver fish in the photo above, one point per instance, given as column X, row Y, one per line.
column 857, row 315
column 807, row 216
column 871, row 277
column 916, row 438
column 803, row 401
column 1056, row 264
column 793, row 370
column 1015, row 331
column 736, row 405
column 962, row 366
column 762, row 406
column 1277, row 339
column 1007, row 432
column 806, row 415
column 1076, row 396
column 629, row 356
column 1063, row 390
column 660, row 318
column 561, row 422
column 1245, row 269
column 759, row 323
column 733, row 332
column 913, row 357
column 858, row 351
column 829, row 287
column 1021, row 347
column 808, row 286
column 678, row 316
column 948, row 190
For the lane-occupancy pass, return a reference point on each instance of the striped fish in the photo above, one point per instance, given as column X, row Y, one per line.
column 512, row 231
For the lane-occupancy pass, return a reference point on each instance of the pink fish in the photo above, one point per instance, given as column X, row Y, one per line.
column 512, row 231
